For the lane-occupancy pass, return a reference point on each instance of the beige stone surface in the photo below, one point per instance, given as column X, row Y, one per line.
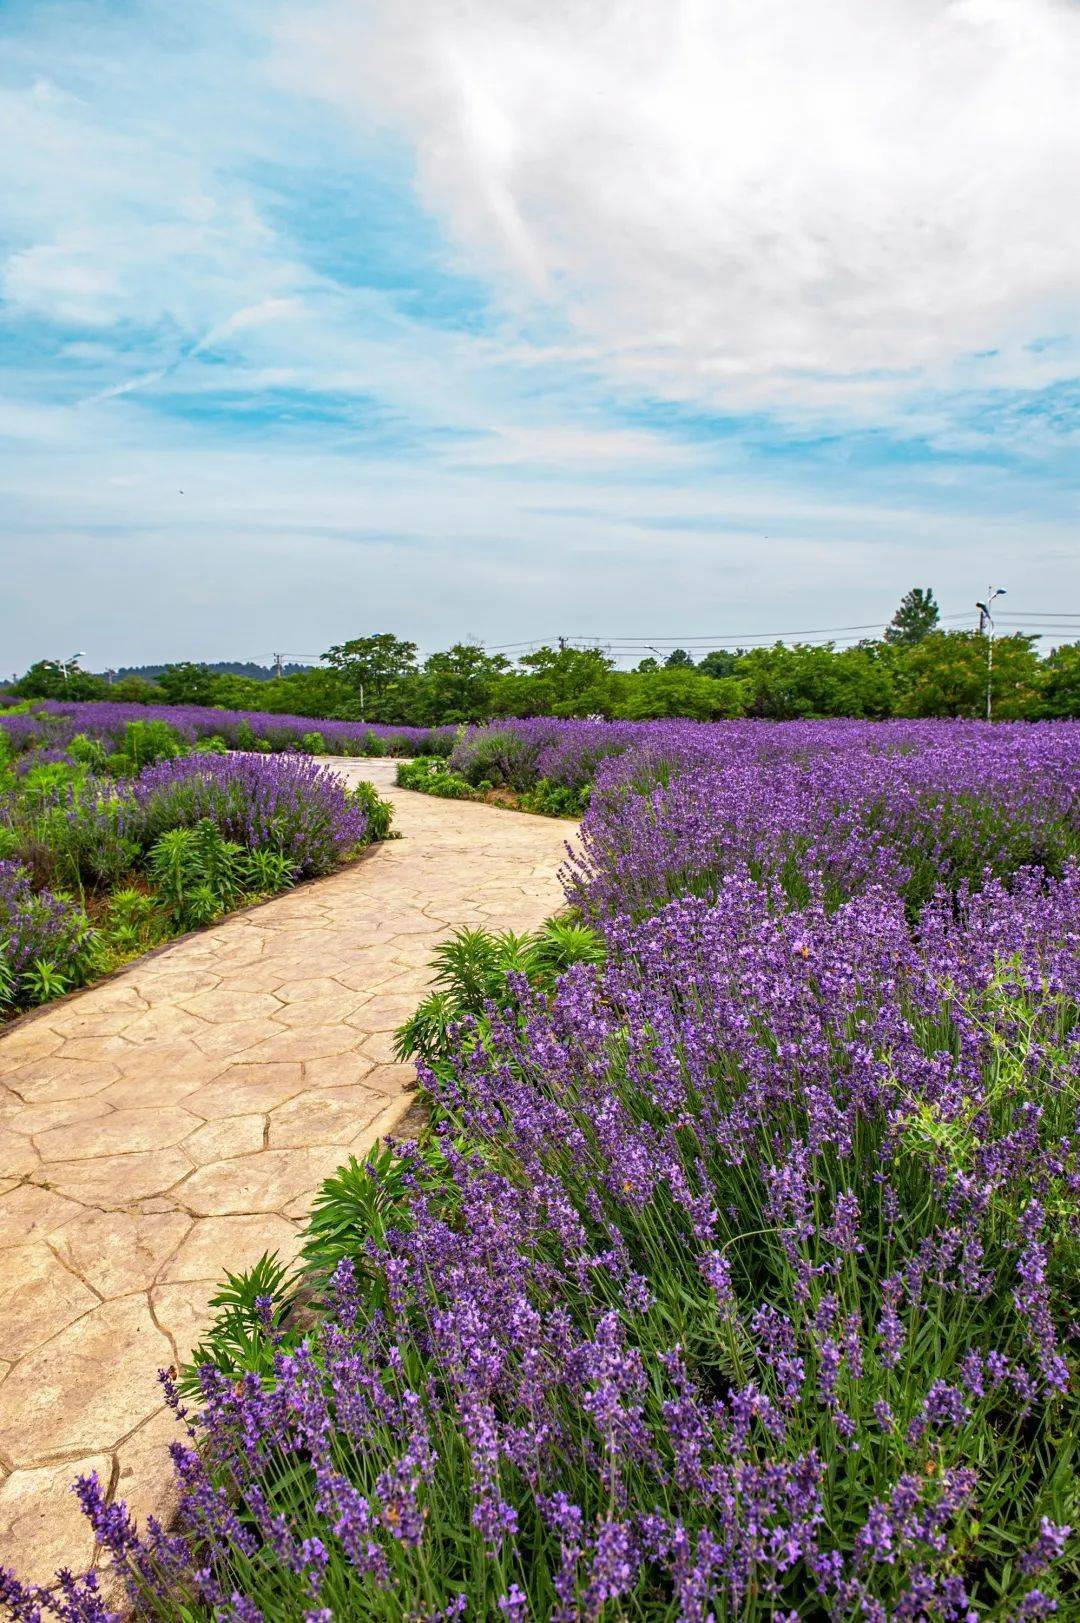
column 40, row 1514
column 174, row 1123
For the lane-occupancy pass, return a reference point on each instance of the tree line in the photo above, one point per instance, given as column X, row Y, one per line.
column 915, row 669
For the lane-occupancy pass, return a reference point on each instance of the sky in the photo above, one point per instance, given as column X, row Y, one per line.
column 629, row 320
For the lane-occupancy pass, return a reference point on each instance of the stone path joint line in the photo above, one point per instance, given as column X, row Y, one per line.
column 175, row 1121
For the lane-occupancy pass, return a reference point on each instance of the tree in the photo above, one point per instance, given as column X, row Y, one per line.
column 559, row 682
column 457, row 685
column 186, row 683
column 371, row 666
column 915, row 619
column 48, row 679
column 721, row 662
column 945, row 675
column 680, row 692
column 679, row 660
column 1061, row 683
column 133, row 689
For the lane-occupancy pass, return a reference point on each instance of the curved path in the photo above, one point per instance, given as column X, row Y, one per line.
column 175, row 1121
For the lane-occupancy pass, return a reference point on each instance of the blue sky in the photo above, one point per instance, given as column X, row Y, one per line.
column 509, row 321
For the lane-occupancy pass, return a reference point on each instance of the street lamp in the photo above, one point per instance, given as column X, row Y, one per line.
column 986, row 624
column 72, row 659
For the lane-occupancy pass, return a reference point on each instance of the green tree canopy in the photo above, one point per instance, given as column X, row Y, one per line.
column 721, row 662
column 370, row 667
column 915, row 619
column 945, row 675
column 47, row 679
column 186, row 683
column 1061, row 682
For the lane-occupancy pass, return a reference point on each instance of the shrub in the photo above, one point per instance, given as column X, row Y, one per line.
column 379, row 813
column 432, row 777
column 44, row 938
column 284, row 803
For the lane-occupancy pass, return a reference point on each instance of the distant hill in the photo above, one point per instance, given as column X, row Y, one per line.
column 220, row 667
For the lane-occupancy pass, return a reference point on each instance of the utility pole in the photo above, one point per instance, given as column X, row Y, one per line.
column 562, row 645
column 277, row 664
column 986, row 627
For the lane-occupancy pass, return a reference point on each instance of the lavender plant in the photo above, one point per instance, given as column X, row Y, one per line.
column 746, row 1293
column 43, row 938
column 285, row 804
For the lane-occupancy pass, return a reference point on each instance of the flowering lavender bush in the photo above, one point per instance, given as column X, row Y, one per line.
column 745, row 1294
column 37, row 927
column 280, row 803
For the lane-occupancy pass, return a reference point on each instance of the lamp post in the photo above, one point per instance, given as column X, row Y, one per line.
column 986, row 625
column 72, row 659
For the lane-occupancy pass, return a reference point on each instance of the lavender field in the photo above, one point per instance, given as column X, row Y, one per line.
column 119, row 831
column 736, row 1276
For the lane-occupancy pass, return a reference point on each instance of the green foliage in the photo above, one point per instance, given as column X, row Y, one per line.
column 559, row 945
column 1061, row 682
column 560, row 682
column 264, row 872
column 946, row 674
column 196, row 872
column 679, row 691
column 369, row 667
column 456, row 686
column 721, row 662
column 431, row 776
column 555, row 800
column 379, row 812
column 356, row 1208
column 916, row 617
column 376, row 677
column 186, row 683
column 148, row 741
column 89, row 752
column 48, row 679
column 45, row 980
column 250, row 1325
column 132, row 922
column 8, row 983
column 473, row 968
column 313, row 744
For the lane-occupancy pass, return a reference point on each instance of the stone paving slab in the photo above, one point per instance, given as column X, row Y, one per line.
column 176, row 1120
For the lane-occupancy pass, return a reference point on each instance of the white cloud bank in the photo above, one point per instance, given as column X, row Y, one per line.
column 836, row 203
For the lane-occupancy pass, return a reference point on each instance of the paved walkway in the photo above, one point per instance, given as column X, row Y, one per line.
column 175, row 1121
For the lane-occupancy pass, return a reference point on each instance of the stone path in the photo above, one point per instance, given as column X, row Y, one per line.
column 175, row 1121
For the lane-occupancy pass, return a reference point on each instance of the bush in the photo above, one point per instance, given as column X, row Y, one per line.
column 378, row 813
column 46, row 941
column 283, row 803
column 433, row 777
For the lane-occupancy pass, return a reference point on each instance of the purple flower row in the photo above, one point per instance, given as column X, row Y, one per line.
column 826, row 808
column 36, row 924
column 283, row 803
column 53, row 724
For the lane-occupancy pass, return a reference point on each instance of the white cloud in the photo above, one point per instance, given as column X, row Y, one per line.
column 754, row 202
